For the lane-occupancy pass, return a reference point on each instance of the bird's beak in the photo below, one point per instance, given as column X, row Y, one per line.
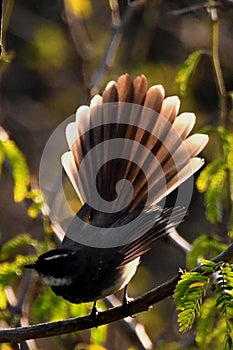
column 30, row 266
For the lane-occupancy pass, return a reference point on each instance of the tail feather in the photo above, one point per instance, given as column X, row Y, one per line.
column 170, row 108
column 110, row 93
column 161, row 134
column 139, row 88
column 125, row 88
column 184, row 123
column 154, row 97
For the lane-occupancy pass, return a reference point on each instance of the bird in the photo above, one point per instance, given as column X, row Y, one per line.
column 123, row 130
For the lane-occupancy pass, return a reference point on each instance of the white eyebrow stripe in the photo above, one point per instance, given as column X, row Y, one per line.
column 57, row 256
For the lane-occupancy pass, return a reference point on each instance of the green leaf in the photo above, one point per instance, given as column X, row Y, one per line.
column 212, row 180
column 3, row 298
column 6, row 56
column 205, row 323
column 99, row 335
column 204, row 178
column 19, row 167
column 35, row 209
column 9, row 272
column 62, row 309
column 204, row 247
column 12, row 245
column 2, row 156
column 185, row 73
column 82, row 9
column 188, row 296
column 224, row 300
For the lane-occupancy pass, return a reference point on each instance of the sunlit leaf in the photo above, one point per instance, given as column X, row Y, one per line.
column 19, row 168
column 35, row 209
column 12, row 245
column 212, row 181
column 2, row 157
column 3, row 298
column 82, row 9
column 188, row 296
column 10, row 271
column 62, row 309
column 184, row 75
column 6, row 347
column 204, row 178
column 205, row 323
column 99, row 335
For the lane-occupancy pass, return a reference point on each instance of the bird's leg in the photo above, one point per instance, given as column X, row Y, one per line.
column 94, row 310
column 125, row 297
column 126, row 300
column 94, row 314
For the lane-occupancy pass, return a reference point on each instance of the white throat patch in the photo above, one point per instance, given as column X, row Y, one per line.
column 59, row 282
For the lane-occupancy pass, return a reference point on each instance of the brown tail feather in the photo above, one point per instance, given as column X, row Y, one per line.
column 165, row 137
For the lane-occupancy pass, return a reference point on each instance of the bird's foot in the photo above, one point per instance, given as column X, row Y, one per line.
column 125, row 302
column 94, row 314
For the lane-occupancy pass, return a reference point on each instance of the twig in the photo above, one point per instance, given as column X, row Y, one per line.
column 81, row 41
column 140, row 304
column 175, row 239
column 133, row 328
column 118, row 25
column 20, row 307
column 217, row 67
column 5, row 56
column 223, row 98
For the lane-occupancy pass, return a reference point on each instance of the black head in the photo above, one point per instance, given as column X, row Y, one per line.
column 57, row 267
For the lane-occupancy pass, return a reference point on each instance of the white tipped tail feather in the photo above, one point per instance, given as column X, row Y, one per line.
column 152, row 122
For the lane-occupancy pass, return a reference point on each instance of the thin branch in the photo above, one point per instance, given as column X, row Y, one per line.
column 114, row 41
column 81, row 41
column 217, row 67
column 131, row 327
column 19, row 305
column 223, row 98
column 175, row 239
column 143, row 303
column 7, row 7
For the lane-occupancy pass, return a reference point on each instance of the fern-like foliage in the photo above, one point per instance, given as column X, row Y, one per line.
column 185, row 73
column 224, row 302
column 12, row 267
column 18, row 165
column 188, row 296
column 214, row 315
column 12, row 245
column 9, row 272
column 214, row 179
column 36, row 207
column 209, row 330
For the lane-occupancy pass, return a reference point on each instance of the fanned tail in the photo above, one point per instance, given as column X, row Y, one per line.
column 131, row 133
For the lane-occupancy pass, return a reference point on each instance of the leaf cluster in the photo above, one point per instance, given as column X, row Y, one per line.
column 213, row 316
column 215, row 178
column 16, row 161
column 12, row 266
column 186, row 72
